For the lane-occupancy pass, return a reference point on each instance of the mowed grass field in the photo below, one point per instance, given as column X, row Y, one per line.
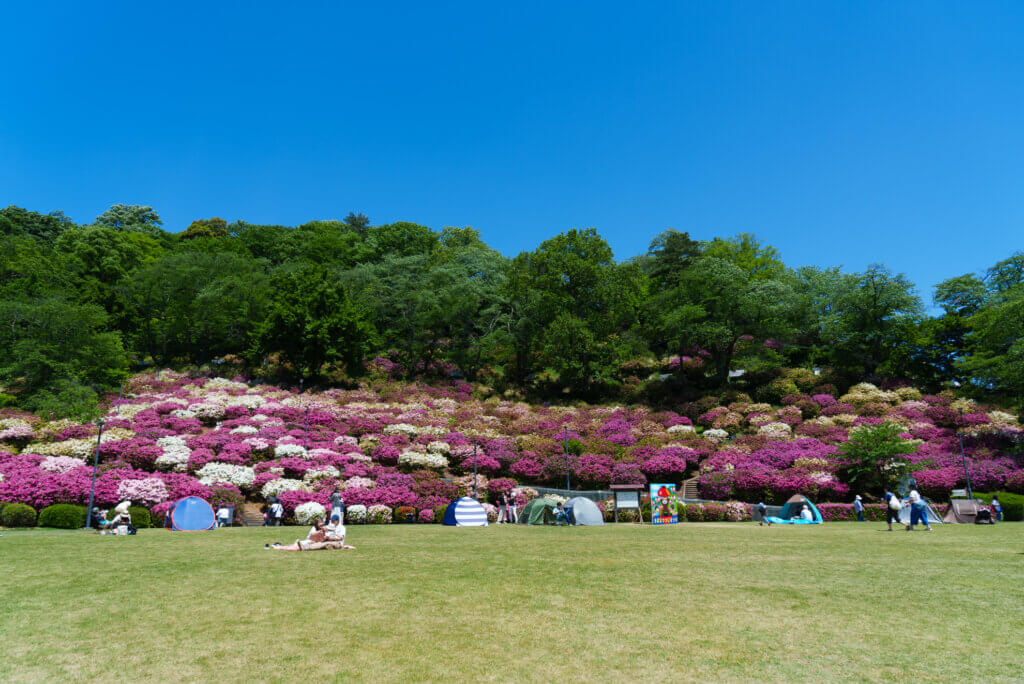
column 423, row 602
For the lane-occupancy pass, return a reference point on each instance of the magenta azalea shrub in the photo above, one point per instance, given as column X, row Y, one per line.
column 173, row 436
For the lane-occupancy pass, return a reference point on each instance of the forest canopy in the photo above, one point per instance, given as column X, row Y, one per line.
column 328, row 301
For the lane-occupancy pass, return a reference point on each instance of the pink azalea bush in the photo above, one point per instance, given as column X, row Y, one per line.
column 172, row 436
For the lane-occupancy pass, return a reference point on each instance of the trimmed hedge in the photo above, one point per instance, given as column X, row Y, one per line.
column 140, row 517
column 1013, row 504
column 62, row 516
column 18, row 515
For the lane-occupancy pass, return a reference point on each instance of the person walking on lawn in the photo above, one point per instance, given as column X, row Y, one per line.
column 892, row 508
column 918, row 511
column 858, row 506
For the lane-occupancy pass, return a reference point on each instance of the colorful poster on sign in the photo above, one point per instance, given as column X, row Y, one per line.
column 663, row 504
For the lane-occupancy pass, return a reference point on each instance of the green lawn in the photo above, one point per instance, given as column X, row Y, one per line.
column 689, row 602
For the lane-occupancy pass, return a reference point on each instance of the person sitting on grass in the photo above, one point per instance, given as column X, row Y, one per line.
column 560, row 517
column 805, row 513
column 762, row 513
column 319, row 537
column 997, row 508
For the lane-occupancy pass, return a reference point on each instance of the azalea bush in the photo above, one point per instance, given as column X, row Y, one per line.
column 412, row 445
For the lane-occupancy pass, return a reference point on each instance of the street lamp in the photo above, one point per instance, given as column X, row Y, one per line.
column 963, row 455
column 474, row 470
column 565, row 448
column 95, row 466
column 305, row 428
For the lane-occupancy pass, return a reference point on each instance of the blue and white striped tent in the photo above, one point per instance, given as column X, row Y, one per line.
column 465, row 512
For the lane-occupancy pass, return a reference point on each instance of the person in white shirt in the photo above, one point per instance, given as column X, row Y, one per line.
column 806, row 514
column 331, row 536
column 223, row 516
column 918, row 511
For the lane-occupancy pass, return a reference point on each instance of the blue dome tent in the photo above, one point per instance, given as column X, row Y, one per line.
column 790, row 514
column 189, row 515
column 465, row 512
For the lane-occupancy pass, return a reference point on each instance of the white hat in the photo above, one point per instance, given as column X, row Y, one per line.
column 858, row 497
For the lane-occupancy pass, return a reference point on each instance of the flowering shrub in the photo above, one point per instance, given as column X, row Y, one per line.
column 242, row 477
column 307, row 513
column 148, row 491
column 378, row 514
column 218, row 439
column 426, row 515
column 491, row 511
column 835, row 512
column 413, row 459
column 275, row 487
column 355, row 514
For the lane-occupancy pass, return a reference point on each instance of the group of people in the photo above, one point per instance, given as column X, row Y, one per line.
column 122, row 519
column 507, row 512
column 762, row 509
column 320, row 536
column 273, row 511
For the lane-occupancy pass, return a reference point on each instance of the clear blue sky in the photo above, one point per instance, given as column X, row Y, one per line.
column 842, row 133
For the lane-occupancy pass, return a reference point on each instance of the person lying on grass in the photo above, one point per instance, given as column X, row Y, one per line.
column 331, row 536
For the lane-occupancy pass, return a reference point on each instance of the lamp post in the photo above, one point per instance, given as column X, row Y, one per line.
column 474, row 470
column 565, row 448
column 92, row 487
column 305, row 428
column 963, row 455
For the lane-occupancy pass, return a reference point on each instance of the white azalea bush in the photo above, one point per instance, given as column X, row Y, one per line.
column 401, row 429
column 442, row 448
column 309, row 512
column 283, row 484
column 208, row 413
column 240, row 476
column 61, row 464
column 355, row 514
column 175, row 454
column 414, row 459
column 776, row 430
column 319, row 473
column 290, row 451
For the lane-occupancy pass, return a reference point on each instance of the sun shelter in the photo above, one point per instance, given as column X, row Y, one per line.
column 790, row 513
column 465, row 512
column 584, row 511
column 963, row 511
column 190, row 514
column 539, row 511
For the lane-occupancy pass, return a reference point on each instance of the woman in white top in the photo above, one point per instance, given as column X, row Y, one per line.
column 918, row 511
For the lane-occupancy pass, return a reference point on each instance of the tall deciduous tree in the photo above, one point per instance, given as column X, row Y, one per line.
column 312, row 322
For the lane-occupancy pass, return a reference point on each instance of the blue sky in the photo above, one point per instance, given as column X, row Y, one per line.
column 842, row 133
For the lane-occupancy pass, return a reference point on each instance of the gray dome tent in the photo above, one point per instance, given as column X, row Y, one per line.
column 585, row 511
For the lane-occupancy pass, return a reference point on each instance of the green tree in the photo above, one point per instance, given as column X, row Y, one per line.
column 52, row 345
column 195, row 305
column 132, row 218
column 860, row 322
column 668, row 257
column 723, row 310
column 874, row 458
column 209, row 228
column 312, row 322
column 399, row 239
column 97, row 259
column 357, row 222
column 46, row 227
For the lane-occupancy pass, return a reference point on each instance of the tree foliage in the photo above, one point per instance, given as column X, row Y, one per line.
column 80, row 304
